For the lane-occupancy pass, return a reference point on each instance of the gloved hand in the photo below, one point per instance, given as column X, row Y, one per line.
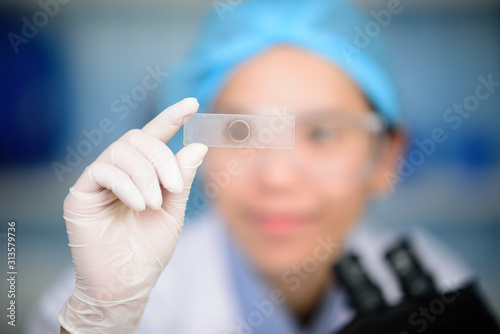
column 123, row 224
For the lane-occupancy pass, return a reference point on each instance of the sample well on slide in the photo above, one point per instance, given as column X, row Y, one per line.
column 241, row 130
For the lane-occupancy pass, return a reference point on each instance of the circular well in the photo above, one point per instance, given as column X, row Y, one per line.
column 239, row 130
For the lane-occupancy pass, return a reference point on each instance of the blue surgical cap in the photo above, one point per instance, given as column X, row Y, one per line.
column 335, row 30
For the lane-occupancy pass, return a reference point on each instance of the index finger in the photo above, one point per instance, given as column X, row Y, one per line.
column 168, row 122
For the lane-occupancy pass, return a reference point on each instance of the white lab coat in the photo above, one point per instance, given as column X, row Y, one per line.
column 195, row 293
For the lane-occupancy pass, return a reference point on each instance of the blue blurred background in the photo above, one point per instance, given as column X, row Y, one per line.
column 81, row 62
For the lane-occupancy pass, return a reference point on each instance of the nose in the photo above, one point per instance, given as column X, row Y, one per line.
column 277, row 169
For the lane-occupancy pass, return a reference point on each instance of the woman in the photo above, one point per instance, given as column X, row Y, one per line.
column 260, row 259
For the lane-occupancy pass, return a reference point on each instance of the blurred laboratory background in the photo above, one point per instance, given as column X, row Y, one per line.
column 66, row 75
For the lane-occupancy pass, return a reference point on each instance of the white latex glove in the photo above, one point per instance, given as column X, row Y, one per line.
column 123, row 217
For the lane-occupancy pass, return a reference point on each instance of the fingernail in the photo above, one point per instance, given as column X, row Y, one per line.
column 138, row 202
column 178, row 113
column 177, row 185
column 175, row 178
column 156, row 198
column 156, row 204
column 188, row 100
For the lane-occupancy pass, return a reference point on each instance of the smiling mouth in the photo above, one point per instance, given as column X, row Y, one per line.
column 279, row 223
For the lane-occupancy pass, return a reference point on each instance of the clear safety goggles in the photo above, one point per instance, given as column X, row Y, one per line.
column 318, row 144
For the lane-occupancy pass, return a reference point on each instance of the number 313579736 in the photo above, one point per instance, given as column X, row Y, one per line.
column 11, row 239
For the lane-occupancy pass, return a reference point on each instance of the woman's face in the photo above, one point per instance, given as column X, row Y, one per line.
column 284, row 206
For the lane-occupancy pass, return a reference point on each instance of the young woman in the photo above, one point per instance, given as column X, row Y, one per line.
column 260, row 259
